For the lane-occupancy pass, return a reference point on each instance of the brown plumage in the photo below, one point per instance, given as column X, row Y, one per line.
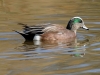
column 53, row 32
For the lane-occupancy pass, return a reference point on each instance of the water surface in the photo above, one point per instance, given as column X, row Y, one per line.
column 26, row 58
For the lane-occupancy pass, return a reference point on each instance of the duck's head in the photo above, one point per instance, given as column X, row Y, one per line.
column 76, row 23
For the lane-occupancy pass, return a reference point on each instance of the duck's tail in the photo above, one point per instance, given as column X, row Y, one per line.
column 24, row 25
column 26, row 36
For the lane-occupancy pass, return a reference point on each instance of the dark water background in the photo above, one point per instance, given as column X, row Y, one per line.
column 19, row 58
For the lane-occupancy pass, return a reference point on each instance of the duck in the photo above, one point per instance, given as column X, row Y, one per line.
column 53, row 32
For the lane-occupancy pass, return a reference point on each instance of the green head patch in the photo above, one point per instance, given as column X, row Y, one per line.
column 73, row 21
column 77, row 20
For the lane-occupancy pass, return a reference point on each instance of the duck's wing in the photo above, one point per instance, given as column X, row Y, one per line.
column 35, row 29
column 30, row 31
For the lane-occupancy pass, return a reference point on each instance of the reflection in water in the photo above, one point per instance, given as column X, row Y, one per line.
column 72, row 48
column 38, row 58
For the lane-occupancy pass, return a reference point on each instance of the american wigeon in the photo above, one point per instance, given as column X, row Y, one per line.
column 53, row 31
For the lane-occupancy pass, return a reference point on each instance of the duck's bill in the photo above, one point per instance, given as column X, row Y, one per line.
column 84, row 27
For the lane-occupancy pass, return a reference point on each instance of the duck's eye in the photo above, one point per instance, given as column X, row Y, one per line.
column 80, row 21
